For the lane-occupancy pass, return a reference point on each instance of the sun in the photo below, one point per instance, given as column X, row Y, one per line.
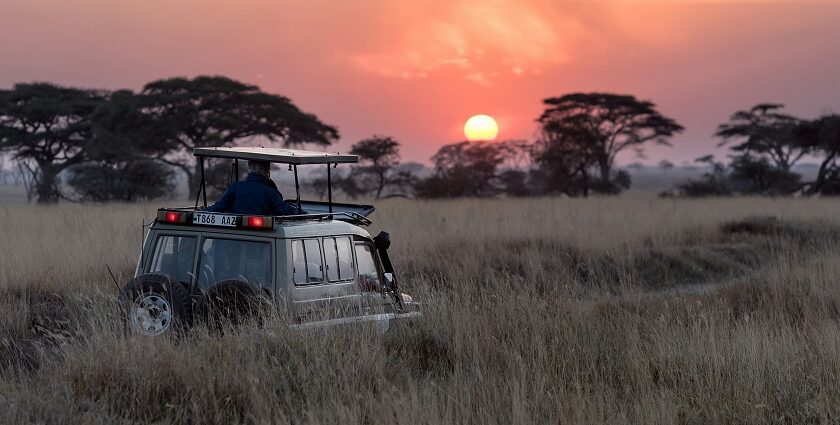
column 481, row 128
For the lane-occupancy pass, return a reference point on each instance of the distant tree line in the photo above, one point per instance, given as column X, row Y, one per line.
column 765, row 143
column 96, row 145
column 580, row 136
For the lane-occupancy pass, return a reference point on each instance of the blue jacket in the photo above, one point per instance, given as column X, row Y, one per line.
column 256, row 195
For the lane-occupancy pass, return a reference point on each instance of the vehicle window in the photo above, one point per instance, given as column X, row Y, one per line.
column 368, row 274
column 174, row 256
column 299, row 263
column 331, row 259
column 223, row 259
column 339, row 259
column 308, row 267
column 345, row 258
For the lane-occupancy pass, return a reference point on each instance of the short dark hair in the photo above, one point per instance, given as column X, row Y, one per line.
column 256, row 166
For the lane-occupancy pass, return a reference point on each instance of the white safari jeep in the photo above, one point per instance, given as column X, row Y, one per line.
column 318, row 268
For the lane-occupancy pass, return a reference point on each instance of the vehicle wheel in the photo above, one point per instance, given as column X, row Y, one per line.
column 154, row 305
column 233, row 301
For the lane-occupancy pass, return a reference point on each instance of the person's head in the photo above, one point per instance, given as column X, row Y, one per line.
column 261, row 167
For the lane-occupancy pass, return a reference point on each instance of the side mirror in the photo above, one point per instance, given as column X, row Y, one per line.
column 389, row 280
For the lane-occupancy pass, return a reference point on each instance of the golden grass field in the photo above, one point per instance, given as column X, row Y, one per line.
column 610, row 310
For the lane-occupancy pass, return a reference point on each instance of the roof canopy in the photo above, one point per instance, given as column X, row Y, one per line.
column 284, row 156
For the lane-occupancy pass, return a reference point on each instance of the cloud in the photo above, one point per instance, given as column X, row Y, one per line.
column 481, row 42
column 476, row 39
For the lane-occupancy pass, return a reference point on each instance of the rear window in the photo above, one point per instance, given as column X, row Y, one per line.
column 223, row 259
column 174, row 256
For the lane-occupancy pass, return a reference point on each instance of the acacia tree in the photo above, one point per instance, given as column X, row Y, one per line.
column 763, row 131
column 118, row 164
column 564, row 160
column 46, row 128
column 606, row 125
column 218, row 111
column 378, row 156
column 822, row 136
column 464, row 169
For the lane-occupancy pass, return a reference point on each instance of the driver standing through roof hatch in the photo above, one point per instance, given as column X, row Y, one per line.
column 257, row 194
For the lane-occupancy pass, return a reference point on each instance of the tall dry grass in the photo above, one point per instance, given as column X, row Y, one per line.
column 619, row 310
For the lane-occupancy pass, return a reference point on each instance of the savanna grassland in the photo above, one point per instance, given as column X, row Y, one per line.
column 619, row 310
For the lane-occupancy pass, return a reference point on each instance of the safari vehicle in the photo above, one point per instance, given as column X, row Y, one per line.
column 317, row 268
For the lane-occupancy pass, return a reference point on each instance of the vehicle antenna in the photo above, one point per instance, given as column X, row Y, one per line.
column 117, row 285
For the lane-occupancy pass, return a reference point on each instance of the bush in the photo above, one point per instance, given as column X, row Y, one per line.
column 122, row 181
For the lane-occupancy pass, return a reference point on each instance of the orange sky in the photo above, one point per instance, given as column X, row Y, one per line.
column 417, row 70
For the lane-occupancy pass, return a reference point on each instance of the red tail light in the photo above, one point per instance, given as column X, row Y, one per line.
column 172, row 217
column 257, row 221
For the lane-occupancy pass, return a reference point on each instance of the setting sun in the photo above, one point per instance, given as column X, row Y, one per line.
column 481, row 128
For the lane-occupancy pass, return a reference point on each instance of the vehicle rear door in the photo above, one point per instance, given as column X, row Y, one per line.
column 225, row 256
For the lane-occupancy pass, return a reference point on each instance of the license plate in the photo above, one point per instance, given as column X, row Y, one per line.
column 214, row 219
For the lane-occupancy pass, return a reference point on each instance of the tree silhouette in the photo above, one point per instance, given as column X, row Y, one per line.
column 822, row 136
column 218, row 111
column 47, row 128
column 464, row 169
column 564, row 161
column 764, row 131
column 757, row 176
column 118, row 164
column 378, row 156
column 606, row 124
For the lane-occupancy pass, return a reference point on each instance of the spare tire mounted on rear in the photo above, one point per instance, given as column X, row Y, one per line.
column 153, row 305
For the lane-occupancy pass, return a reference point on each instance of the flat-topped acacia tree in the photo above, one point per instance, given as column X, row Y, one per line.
column 605, row 124
column 209, row 111
column 378, row 156
column 764, row 131
column 46, row 128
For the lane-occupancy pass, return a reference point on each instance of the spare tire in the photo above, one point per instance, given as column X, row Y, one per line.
column 233, row 301
column 153, row 305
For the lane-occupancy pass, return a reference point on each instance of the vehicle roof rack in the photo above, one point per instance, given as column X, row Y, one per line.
column 349, row 217
column 283, row 156
column 293, row 157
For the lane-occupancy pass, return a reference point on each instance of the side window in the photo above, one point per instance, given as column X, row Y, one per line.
column 331, row 259
column 306, row 257
column 368, row 274
column 299, row 263
column 339, row 259
column 345, row 258
column 223, row 259
column 174, row 256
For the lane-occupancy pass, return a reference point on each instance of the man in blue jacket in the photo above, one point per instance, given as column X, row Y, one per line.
column 257, row 194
